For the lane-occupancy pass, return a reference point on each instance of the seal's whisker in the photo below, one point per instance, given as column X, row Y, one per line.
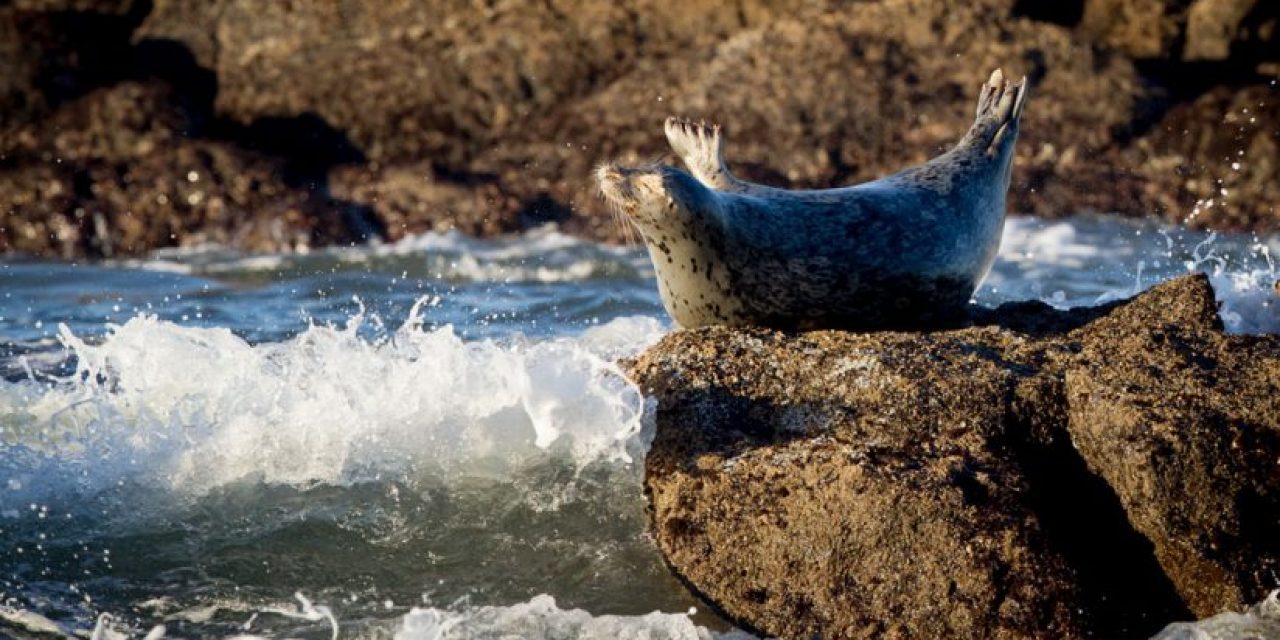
column 633, row 230
column 630, row 232
column 615, row 190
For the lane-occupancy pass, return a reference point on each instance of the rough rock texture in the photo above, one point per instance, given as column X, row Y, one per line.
column 440, row 78
column 1192, row 30
column 51, row 52
column 1220, row 152
column 1184, row 424
column 112, row 173
column 488, row 117
column 862, row 502
column 1095, row 473
column 1213, row 27
column 1140, row 28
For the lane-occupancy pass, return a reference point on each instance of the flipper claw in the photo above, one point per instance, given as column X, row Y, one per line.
column 999, row 109
column 700, row 146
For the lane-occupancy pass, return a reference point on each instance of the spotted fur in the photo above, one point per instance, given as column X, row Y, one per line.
column 905, row 250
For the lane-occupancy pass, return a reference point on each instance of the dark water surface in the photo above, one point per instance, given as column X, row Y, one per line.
column 422, row 440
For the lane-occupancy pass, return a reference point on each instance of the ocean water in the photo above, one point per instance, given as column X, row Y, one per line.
column 428, row 439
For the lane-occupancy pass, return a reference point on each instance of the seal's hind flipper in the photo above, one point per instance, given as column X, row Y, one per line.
column 999, row 108
column 699, row 145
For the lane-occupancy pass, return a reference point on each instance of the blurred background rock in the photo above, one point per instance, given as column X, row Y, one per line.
column 127, row 125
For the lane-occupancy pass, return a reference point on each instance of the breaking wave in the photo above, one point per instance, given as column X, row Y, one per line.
column 191, row 409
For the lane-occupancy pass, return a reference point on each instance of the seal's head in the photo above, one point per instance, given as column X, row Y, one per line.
column 657, row 198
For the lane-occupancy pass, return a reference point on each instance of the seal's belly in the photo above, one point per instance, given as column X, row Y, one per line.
column 837, row 268
column 812, row 293
column 853, row 298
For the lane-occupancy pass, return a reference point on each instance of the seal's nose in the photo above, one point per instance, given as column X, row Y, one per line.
column 608, row 174
column 613, row 183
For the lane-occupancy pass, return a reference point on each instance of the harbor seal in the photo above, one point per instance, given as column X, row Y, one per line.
column 902, row 251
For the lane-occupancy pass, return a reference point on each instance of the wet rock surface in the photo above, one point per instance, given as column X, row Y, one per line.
column 397, row 118
column 1090, row 473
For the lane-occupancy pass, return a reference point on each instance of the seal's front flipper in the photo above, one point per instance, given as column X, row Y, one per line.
column 999, row 110
column 699, row 145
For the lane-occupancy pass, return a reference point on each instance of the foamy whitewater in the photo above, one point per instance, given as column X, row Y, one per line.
column 428, row 439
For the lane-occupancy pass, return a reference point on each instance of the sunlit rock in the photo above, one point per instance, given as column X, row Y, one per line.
column 1027, row 476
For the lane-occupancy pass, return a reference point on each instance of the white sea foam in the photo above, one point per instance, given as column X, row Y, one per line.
column 532, row 243
column 188, row 409
column 1086, row 261
column 1030, row 242
column 540, row 255
column 31, row 622
column 540, row 617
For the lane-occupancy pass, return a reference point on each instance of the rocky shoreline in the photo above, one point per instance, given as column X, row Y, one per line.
column 130, row 125
column 1088, row 473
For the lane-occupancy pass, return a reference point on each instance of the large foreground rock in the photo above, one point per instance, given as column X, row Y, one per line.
column 1097, row 473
